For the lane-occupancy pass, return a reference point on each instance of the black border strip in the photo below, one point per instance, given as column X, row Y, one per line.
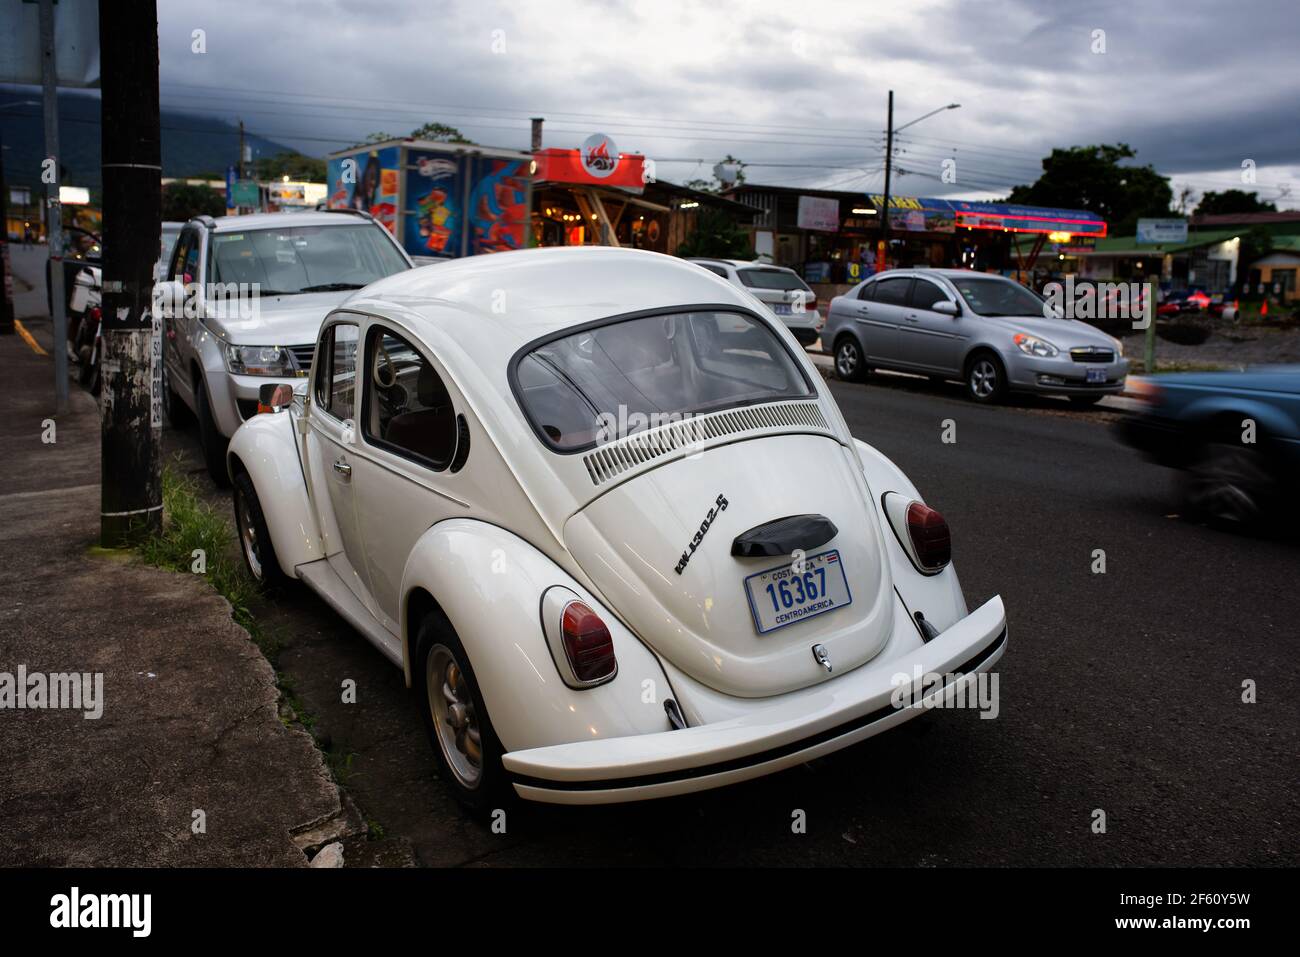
column 686, row 774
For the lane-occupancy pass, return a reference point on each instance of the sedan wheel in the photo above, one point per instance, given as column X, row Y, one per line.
column 848, row 361
column 985, row 380
column 454, row 718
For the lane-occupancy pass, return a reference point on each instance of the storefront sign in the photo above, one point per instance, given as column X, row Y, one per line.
column 818, row 212
column 1160, row 231
column 914, row 215
column 591, row 166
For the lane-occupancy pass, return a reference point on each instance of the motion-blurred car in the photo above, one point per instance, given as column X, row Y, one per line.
column 1235, row 435
column 780, row 290
column 991, row 332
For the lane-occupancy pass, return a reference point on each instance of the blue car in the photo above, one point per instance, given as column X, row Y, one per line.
column 1236, row 435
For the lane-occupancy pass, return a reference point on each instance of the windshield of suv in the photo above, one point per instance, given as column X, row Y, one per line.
column 297, row 259
column 780, row 279
column 995, row 296
column 601, row 384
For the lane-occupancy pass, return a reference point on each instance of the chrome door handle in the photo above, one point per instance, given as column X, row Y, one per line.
column 343, row 468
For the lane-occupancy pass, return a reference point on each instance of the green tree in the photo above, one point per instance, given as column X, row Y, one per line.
column 1091, row 178
column 1232, row 201
column 294, row 165
column 181, row 202
column 439, row 133
column 717, row 235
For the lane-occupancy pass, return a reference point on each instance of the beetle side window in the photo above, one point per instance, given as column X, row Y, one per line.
column 336, row 375
column 407, row 408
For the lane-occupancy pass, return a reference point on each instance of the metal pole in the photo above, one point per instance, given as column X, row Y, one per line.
column 6, row 277
column 130, row 142
column 1153, row 287
column 889, row 162
column 53, row 207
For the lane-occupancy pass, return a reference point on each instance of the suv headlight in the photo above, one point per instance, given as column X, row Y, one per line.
column 260, row 360
column 1033, row 346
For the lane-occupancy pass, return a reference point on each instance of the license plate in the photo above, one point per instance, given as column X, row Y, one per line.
column 1096, row 375
column 783, row 596
column 783, row 309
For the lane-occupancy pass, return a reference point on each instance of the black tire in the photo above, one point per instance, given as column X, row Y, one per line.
column 85, row 369
column 850, row 363
column 1231, row 486
column 491, row 788
column 1085, row 400
column 254, row 537
column 210, row 438
column 986, row 378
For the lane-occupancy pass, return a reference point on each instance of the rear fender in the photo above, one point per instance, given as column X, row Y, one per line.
column 266, row 448
column 489, row 583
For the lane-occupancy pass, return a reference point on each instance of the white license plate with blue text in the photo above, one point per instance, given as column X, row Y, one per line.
column 783, row 309
column 788, row 594
column 1096, row 375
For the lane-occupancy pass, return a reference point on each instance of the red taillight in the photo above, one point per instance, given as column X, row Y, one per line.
column 587, row 643
column 94, row 312
column 929, row 533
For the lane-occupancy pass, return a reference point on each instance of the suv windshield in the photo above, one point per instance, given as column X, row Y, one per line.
column 994, row 296
column 296, row 259
column 781, row 279
column 603, row 383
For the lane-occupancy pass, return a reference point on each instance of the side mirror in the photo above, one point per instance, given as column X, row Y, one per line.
column 946, row 307
column 274, row 397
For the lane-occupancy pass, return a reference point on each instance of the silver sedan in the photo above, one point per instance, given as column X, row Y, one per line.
column 992, row 333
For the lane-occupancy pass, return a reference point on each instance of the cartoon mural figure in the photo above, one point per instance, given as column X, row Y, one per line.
column 500, row 208
column 432, row 216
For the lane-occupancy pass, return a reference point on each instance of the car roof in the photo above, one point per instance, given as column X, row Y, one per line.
column 225, row 224
column 739, row 263
column 932, row 271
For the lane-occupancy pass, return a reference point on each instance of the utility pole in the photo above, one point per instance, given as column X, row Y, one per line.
column 6, row 277
column 53, row 206
column 131, row 422
column 889, row 163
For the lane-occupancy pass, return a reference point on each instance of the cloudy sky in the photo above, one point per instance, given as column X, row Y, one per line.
column 796, row 90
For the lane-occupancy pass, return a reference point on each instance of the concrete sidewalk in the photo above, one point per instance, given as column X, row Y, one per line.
column 190, row 719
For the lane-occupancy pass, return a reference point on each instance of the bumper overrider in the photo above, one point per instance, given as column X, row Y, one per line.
column 795, row 728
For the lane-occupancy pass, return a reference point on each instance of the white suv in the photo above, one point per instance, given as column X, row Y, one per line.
column 779, row 289
column 242, row 301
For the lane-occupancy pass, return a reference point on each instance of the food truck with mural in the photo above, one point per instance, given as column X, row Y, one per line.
column 440, row 200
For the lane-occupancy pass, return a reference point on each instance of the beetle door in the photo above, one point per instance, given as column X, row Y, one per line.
column 331, row 449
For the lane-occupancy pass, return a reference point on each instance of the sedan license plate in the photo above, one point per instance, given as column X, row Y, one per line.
column 782, row 309
column 782, row 596
column 1096, row 375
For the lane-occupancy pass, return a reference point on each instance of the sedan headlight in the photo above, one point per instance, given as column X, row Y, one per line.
column 260, row 360
column 1033, row 346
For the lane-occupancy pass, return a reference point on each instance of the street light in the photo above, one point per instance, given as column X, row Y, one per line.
column 889, row 157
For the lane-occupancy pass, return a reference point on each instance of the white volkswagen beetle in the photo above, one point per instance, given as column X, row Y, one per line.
column 603, row 512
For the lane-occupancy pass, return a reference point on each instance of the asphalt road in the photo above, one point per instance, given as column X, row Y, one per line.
column 1119, row 691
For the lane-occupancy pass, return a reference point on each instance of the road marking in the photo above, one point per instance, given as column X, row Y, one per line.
column 27, row 338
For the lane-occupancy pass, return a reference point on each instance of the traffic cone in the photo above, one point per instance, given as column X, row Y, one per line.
column 1263, row 308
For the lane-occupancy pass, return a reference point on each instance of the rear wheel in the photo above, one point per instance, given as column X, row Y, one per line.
column 254, row 537
column 210, row 438
column 1230, row 486
column 849, row 363
column 465, row 747
column 986, row 380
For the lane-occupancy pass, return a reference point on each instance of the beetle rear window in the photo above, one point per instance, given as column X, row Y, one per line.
column 606, row 382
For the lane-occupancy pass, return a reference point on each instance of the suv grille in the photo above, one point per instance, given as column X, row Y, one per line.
column 1092, row 354
column 615, row 458
column 302, row 355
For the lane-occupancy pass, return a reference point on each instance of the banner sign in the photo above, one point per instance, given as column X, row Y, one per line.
column 818, row 212
column 930, row 214
column 1160, row 231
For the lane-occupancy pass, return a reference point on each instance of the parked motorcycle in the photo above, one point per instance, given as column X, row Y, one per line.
column 85, row 311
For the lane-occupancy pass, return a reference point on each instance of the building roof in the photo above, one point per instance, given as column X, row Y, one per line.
column 1247, row 219
column 1129, row 246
